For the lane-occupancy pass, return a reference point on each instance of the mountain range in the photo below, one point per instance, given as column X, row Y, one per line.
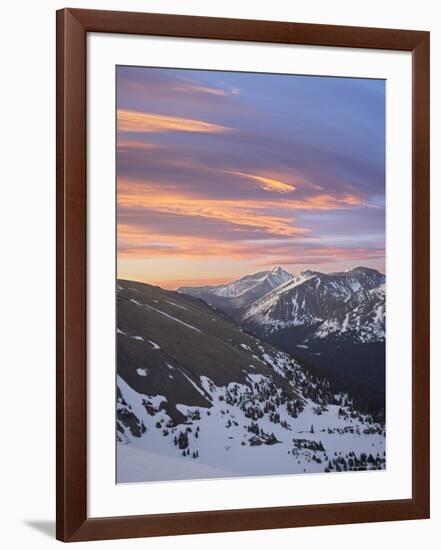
column 199, row 396
column 347, row 305
column 333, row 322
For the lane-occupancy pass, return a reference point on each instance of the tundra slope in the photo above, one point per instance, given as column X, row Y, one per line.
column 198, row 398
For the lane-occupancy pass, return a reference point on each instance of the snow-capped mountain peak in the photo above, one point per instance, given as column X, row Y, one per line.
column 278, row 276
column 309, row 273
column 242, row 292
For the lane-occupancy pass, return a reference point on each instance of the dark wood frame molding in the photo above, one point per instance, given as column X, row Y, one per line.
column 72, row 521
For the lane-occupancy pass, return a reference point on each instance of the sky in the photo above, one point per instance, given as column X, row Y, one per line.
column 222, row 174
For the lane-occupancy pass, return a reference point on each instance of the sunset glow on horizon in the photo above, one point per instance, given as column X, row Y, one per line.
column 222, row 174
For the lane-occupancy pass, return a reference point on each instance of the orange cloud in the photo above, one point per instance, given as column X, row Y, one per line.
column 189, row 86
column 325, row 202
column 136, row 121
column 134, row 242
column 242, row 216
column 177, row 84
column 236, row 212
column 152, row 195
column 126, row 143
column 268, row 184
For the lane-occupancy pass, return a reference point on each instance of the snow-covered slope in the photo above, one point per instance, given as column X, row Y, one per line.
column 241, row 293
column 362, row 321
column 314, row 299
column 199, row 398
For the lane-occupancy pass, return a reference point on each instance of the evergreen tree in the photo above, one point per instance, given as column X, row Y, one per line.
column 183, row 440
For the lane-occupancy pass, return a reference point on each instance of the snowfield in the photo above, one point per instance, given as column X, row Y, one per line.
column 228, row 443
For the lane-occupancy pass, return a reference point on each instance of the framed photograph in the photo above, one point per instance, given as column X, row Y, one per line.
column 238, row 205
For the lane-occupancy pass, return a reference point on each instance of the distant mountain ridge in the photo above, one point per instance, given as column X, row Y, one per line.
column 313, row 298
column 239, row 294
column 344, row 305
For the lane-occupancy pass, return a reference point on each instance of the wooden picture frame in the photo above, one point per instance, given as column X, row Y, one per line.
column 73, row 524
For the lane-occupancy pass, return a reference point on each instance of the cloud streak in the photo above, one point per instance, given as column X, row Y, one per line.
column 136, row 121
column 268, row 184
column 240, row 214
column 134, row 245
column 132, row 81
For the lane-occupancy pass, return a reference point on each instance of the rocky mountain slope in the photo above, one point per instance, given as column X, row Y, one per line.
column 322, row 305
column 360, row 320
column 197, row 397
column 237, row 295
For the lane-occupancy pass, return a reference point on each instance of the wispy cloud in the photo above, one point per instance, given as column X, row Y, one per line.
column 151, row 194
column 129, row 144
column 132, row 80
column 187, row 85
column 137, row 121
column 234, row 212
column 319, row 255
column 134, row 242
column 324, row 201
column 268, row 184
